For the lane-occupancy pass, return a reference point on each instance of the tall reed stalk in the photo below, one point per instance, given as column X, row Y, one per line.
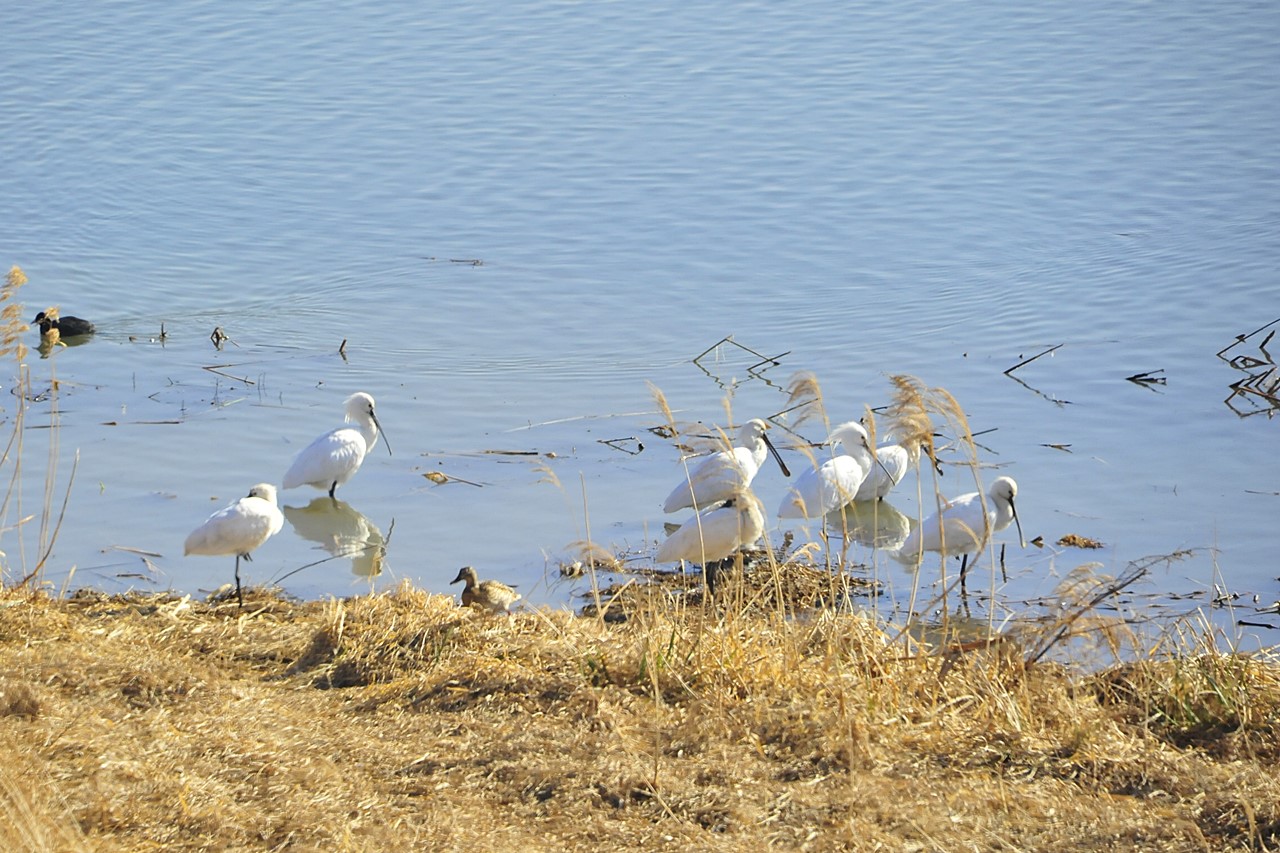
column 13, row 517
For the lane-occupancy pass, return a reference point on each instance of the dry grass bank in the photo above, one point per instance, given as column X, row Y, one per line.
column 400, row 722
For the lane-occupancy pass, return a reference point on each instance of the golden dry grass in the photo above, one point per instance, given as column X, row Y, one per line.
column 400, row 721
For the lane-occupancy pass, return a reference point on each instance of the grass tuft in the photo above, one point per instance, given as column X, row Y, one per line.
column 399, row 720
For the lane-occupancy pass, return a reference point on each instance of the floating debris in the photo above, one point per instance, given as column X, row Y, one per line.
column 1033, row 358
column 1260, row 388
column 1075, row 540
column 619, row 444
column 1148, row 378
column 440, row 478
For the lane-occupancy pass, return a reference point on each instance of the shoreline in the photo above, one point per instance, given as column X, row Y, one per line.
column 402, row 721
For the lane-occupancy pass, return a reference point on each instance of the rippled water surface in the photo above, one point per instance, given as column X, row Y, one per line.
column 518, row 215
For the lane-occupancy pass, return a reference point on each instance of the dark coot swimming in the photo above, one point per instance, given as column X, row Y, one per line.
column 68, row 327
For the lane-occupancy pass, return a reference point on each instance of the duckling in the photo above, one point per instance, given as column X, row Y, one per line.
column 494, row 596
column 67, row 327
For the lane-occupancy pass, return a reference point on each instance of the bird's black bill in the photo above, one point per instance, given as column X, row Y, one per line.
column 882, row 468
column 776, row 455
column 1022, row 542
column 382, row 431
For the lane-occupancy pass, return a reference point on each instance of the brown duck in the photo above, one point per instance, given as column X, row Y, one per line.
column 493, row 596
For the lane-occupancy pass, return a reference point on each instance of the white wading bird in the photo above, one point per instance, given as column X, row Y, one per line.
column 238, row 529
column 836, row 481
column 720, row 475
column 895, row 460
column 963, row 525
column 335, row 457
column 716, row 533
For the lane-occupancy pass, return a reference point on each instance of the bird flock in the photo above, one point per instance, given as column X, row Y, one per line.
column 728, row 517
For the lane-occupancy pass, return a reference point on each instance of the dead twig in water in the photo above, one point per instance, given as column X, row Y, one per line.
column 218, row 369
column 218, row 336
column 1262, row 379
column 1033, row 358
column 1052, row 399
column 1242, row 338
column 140, row 552
column 1147, row 378
column 616, row 444
column 772, row 361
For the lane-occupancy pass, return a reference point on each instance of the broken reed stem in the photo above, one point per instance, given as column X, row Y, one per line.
column 771, row 360
column 62, row 514
column 1033, row 358
column 591, row 565
column 1062, row 627
column 1242, row 338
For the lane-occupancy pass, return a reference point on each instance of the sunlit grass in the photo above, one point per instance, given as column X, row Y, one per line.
column 400, row 720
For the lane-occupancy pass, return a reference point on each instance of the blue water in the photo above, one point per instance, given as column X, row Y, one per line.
column 939, row 190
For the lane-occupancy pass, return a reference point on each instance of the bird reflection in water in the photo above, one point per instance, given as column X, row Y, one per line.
column 341, row 530
column 876, row 524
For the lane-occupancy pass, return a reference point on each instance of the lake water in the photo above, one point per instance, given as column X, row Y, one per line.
column 519, row 215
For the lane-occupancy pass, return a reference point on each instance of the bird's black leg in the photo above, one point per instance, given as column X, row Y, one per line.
column 239, row 594
column 711, row 574
column 333, row 489
column 964, row 568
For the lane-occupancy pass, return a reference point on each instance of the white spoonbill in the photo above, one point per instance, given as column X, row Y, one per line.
column 715, row 533
column 335, row 457
column 836, row 481
column 720, row 475
column 963, row 525
column 895, row 460
column 238, row 528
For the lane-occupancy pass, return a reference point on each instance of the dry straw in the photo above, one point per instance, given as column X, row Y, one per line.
column 401, row 721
